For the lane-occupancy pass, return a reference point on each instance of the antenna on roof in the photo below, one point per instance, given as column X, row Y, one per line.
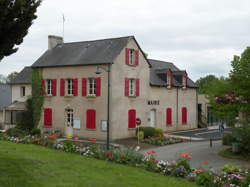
column 63, row 25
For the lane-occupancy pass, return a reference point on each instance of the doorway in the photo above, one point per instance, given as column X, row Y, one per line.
column 152, row 117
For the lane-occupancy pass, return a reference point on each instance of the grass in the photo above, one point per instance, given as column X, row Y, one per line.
column 227, row 153
column 34, row 166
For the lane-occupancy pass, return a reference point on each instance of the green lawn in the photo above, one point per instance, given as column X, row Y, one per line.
column 227, row 153
column 30, row 165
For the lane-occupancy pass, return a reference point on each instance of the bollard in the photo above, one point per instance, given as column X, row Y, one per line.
column 211, row 142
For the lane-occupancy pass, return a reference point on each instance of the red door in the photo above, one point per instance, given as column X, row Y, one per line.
column 132, row 118
column 91, row 119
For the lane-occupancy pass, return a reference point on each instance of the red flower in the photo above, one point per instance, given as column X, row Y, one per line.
column 205, row 162
column 76, row 138
column 109, row 154
column 186, row 155
column 151, row 152
column 92, row 140
column 52, row 137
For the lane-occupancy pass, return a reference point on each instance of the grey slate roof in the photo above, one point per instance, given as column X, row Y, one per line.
column 158, row 74
column 5, row 95
column 83, row 53
column 24, row 77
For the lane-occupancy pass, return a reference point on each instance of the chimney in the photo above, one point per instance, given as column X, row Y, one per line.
column 53, row 41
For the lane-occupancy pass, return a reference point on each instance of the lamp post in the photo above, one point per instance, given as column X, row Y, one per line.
column 98, row 71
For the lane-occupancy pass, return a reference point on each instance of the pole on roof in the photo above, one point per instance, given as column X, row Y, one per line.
column 63, row 25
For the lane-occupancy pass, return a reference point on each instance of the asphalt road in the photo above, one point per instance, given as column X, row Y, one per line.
column 200, row 151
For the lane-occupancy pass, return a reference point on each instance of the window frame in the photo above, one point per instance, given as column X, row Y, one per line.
column 91, row 86
column 69, row 87
column 23, row 91
column 132, row 57
column 49, row 87
column 132, row 87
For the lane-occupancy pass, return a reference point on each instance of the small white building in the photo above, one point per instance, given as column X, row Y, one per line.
column 76, row 98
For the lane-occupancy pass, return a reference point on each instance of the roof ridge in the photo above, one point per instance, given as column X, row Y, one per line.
column 161, row 61
column 99, row 40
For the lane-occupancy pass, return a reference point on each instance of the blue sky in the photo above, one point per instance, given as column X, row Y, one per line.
column 198, row 36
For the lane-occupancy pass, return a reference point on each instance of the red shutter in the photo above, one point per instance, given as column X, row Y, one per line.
column 184, row 115
column 126, row 87
column 62, row 87
column 127, row 51
column 75, row 87
column 54, row 81
column 98, row 86
column 169, row 116
column 48, row 117
column 137, row 57
column 132, row 118
column 91, row 119
column 84, row 86
column 137, row 87
column 42, row 91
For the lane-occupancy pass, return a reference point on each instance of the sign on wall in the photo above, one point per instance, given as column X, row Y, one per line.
column 77, row 124
column 153, row 102
column 104, row 124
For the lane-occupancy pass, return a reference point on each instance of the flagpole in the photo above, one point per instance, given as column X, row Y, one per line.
column 63, row 25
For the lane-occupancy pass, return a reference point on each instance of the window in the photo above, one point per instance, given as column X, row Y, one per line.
column 91, row 86
column 132, row 57
column 69, row 117
column 22, row 91
column 131, row 118
column 47, row 117
column 184, row 115
column 131, row 87
column 91, row 119
column 49, row 87
column 69, row 87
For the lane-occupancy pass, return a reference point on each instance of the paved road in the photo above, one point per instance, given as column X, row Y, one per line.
column 200, row 151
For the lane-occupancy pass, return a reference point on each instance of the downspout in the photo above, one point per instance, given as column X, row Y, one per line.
column 177, row 107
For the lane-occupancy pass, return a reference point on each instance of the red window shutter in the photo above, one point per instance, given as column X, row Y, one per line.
column 98, row 86
column 84, row 86
column 137, row 87
column 137, row 57
column 91, row 119
column 62, row 87
column 126, row 87
column 54, row 81
column 42, row 90
column 132, row 118
column 127, row 51
column 48, row 117
column 184, row 115
column 75, row 87
column 169, row 116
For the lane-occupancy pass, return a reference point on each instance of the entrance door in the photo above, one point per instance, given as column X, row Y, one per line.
column 152, row 118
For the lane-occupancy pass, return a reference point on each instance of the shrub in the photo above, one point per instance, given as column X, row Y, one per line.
column 148, row 131
column 69, row 146
column 228, row 140
column 35, row 131
column 185, row 164
column 15, row 132
column 141, row 135
column 242, row 134
column 159, row 132
column 205, row 179
column 230, row 168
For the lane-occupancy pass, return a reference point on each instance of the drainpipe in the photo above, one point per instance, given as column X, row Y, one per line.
column 177, row 107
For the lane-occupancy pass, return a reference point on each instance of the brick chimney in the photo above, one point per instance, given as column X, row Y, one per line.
column 53, row 41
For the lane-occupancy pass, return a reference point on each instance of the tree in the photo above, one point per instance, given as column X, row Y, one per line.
column 204, row 83
column 2, row 79
column 16, row 16
column 11, row 76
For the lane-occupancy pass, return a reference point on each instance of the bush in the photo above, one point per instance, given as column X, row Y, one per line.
column 205, row 179
column 242, row 134
column 159, row 132
column 148, row 131
column 230, row 168
column 141, row 135
column 15, row 132
column 228, row 140
column 35, row 131
column 185, row 164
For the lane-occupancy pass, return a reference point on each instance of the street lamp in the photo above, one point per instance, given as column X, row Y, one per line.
column 98, row 72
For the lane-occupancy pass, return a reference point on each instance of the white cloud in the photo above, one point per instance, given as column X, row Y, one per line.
column 199, row 36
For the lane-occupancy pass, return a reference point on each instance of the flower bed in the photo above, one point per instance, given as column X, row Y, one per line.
column 160, row 141
column 230, row 175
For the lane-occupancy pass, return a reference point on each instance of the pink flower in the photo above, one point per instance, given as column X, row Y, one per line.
column 237, row 176
column 151, row 152
column 109, row 154
column 205, row 162
column 186, row 155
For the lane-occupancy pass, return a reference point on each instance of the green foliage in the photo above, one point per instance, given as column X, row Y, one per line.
column 141, row 135
column 205, row 83
column 205, row 179
column 148, row 131
column 230, row 168
column 159, row 132
column 242, row 135
column 35, row 131
column 15, row 132
column 16, row 16
column 185, row 164
column 69, row 146
column 37, row 97
column 228, row 140
column 26, row 121
column 160, row 141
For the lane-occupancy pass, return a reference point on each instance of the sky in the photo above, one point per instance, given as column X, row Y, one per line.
column 199, row 36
